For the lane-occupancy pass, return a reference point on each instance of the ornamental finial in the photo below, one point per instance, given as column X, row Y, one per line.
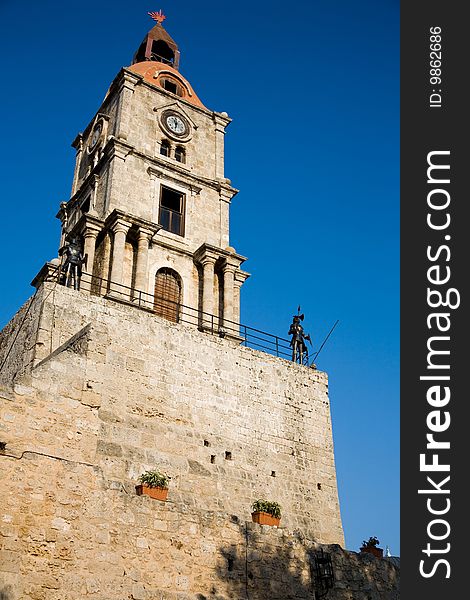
column 159, row 17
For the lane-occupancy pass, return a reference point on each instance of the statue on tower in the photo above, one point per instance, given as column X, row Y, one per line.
column 299, row 339
column 72, row 266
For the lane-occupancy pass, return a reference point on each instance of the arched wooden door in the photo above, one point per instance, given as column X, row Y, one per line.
column 167, row 295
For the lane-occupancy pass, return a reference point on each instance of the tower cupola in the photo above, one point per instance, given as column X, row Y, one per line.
column 158, row 45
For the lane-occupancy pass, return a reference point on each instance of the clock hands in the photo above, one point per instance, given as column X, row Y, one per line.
column 176, row 124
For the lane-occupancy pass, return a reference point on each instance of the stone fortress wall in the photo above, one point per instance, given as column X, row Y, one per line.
column 116, row 391
column 167, row 396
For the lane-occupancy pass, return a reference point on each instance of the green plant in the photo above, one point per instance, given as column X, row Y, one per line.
column 155, row 479
column 272, row 508
column 372, row 542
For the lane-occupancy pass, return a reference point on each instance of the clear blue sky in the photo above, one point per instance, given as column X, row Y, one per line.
column 313, row 91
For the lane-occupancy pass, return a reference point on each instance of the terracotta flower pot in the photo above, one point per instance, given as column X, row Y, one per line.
column 154, row 492
column 264, row 518
column 377, row 552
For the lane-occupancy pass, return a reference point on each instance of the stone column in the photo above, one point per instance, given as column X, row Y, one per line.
column 120, row 229
column 236, row 299
column 239, row 278
column 208, row 263
column 140, row 285
column 229, row 284
column 90, row 234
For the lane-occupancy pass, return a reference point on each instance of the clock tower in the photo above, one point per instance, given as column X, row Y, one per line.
column 150, row 200
column 141, row 369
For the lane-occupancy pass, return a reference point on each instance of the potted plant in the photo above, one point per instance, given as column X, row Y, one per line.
column 266, row 513
column 371, row 547
column 153, row 484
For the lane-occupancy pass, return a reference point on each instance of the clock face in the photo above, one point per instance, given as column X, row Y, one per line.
column 95, row 136
column 175, row 124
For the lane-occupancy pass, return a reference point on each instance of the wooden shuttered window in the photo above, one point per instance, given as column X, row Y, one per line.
column 167, row 295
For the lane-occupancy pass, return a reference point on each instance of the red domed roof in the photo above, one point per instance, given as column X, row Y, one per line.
column 165, row 76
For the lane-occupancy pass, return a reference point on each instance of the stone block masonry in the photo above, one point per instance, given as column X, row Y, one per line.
column 70, row 533
column 115, row 391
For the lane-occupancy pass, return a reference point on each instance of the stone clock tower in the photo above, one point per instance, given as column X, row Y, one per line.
column 144, row 367
column 150, row 199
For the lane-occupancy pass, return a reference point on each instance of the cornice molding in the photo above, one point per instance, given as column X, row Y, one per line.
column 128, row 218
column 230, row 256
column 161, row 174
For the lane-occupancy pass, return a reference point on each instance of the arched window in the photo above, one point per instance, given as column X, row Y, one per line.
column 167, row 298
column 165, row 148
column 180, row 154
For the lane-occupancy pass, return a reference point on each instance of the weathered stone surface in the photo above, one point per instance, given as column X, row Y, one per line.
column 257, row 413
column 69, row 507
column 100, row 391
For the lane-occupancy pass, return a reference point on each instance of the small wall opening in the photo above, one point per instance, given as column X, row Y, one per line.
column 170, row 86
column 228, row 455
column 206, row 443
column 213, row 458
column 85, row 207
column 180, row 155
column 165, row 148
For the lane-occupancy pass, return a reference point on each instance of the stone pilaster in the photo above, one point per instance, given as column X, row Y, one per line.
column 119, row 229
column 239, row 279
column 226, row 194
column 221, row 121
column 229, row 261
column 208, row 263
column 126, row 89
column 116, row 152
column 207, row 256
column 141, row 271
column 229, row 284
column 90, row 234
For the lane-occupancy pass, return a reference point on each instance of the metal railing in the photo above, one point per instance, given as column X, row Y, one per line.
column 162, row 59
column 180, row 313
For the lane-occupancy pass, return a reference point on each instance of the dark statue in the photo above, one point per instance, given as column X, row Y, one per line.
column 298, row 340
column 72, row 266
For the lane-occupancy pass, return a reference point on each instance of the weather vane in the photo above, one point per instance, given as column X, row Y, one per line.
column 159, row 17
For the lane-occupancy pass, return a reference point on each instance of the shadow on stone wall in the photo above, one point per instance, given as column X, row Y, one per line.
column 264, row 567
column 278, row 565
column 6, row 593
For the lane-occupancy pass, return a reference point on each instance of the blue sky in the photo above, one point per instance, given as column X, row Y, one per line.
column 313, row 90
